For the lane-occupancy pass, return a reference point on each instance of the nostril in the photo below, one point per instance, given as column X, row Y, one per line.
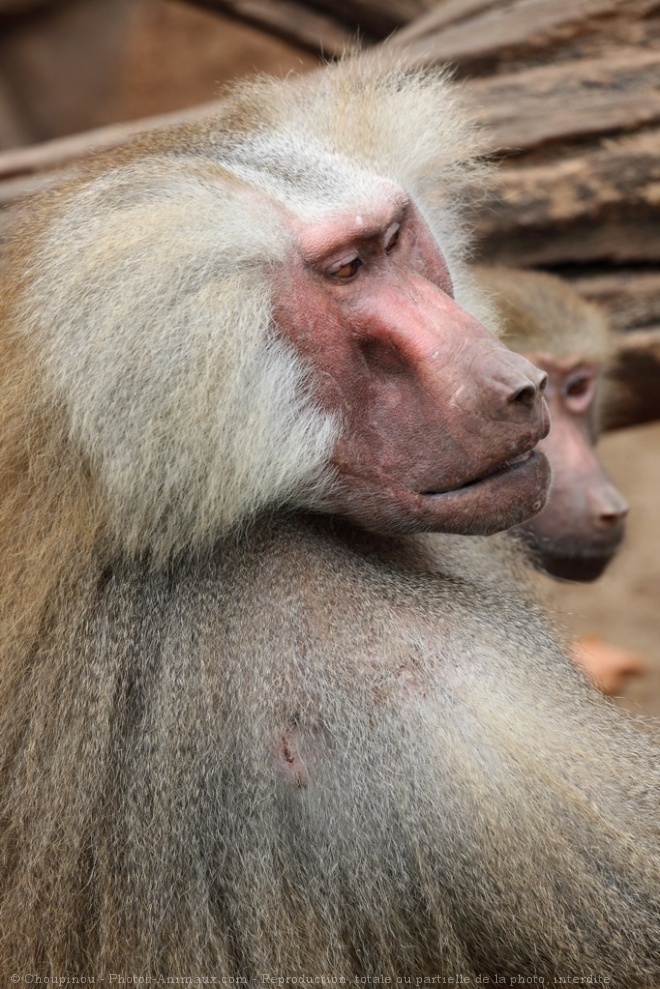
column 525, row 395
column 611, row 508
column 612, row 516
column 528, row 393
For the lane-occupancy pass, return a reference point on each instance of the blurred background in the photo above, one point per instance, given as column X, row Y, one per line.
column 71, row 65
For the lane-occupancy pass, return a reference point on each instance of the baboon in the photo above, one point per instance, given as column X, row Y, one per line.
column 581, row 527
column 275, row 703
column 582, row 524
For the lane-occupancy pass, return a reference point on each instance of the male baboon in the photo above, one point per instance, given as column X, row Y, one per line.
column 582, row 524
column 256, row 717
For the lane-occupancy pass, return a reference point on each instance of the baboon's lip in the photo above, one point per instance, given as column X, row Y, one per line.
column 510, row 464
column 582, row 567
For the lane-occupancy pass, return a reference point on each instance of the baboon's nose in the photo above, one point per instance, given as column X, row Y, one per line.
column 528, row 392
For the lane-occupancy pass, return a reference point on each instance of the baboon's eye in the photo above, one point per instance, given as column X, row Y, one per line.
column 579, row 391
column 346, row 269
column 392, row 237
column 577, row 387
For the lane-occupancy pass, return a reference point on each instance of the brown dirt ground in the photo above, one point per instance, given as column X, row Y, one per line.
column 624, row 605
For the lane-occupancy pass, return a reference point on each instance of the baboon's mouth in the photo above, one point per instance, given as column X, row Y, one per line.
column 583, row 568
column 504, row 466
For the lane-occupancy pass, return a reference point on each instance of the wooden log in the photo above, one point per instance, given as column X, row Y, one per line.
column 617, row 91
column 377, row 17
column 635, row 396
column 63, row 151
column 495, row 33
column 291, row 20
column 443, row 14
column 602, row 205
column 631, row 298
column 373, row 19
column 621, row 238
column 13, row 129
column 12, row 8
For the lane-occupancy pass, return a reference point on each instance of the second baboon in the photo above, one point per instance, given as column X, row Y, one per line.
column 582, row 524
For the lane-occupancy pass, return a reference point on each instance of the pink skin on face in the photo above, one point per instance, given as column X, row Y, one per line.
column 440, row 419
column 582, row 524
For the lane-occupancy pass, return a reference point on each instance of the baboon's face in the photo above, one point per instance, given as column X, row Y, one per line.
column 440, row 419
column 580, row 528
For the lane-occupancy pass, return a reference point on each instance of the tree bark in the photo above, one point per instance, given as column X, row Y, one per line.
column 635, row 376
column 291, row 20
column 481, row 36
column 603, row 205
column 570, row 102
column 631, row 298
